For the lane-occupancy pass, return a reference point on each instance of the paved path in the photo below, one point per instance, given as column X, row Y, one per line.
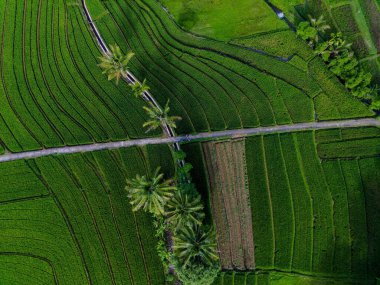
column 194, row 137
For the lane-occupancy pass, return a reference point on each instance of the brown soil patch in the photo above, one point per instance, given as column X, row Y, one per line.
column 230, row 203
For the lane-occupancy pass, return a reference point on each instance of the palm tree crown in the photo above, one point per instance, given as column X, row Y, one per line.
column 139, row 89
column 150, row 193
column 159, row 117
column 195, row 244
column 320, row 25
column 115, row 64
column 184, row 209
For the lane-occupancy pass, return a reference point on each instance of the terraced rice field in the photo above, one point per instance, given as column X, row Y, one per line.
column 51, row 91
column 311, row 217
column 67, row 220
column 215, row 85
column 227, row 175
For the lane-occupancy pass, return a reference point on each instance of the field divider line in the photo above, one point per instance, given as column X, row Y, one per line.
column 206, row 136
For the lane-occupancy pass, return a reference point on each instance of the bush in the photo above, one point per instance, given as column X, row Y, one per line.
column 197, row 274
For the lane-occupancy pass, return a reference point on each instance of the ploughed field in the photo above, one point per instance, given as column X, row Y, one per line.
column 314, row 210
column 229, row 195
column 67, row 220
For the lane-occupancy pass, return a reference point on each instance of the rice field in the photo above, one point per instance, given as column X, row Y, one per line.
column 311, row 217
column 216, row 85
column 67, row 220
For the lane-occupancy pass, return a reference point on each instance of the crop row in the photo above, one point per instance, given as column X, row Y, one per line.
column 82, row 223
column 303, row 219
column 52, row 92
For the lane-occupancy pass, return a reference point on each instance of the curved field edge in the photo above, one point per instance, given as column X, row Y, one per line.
column 225, row 85
column 78, row 218
column 51, row 91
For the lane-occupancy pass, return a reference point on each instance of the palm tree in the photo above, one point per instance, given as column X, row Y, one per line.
column 320, row 25
column 195, row 244
column 159, row 117
column 115, row 64
column 150, row 193
column 335, row 46
column 184, row 209
column 139, row 89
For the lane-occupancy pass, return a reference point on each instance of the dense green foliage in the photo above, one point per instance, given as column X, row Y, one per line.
column 197, row 274
column 358, row 20
column 337, row 54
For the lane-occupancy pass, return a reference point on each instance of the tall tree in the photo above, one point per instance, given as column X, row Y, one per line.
column 139, row 88
column 183, row 209
column 115, row 64
column 195, row 244
column 335, row 46
column 150, row 193
column 320, row 25
column 159, row 117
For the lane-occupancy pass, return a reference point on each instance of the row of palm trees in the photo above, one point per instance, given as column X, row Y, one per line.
column 182, row 211
column 116, row 65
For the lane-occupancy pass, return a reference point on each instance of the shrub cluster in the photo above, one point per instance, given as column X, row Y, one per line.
column 340, row 59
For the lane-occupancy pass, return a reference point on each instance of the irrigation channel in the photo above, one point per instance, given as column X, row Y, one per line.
column 206, row 136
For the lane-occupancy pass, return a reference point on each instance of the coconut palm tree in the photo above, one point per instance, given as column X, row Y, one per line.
column 150, row 193
column 115, row 64
column 184, row 209
column 320, row 25
column 335, row 46
column 195, row 244
column 139, row 88
column 159, row 117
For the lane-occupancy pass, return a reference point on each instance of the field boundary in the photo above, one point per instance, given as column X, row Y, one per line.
column 206, row 136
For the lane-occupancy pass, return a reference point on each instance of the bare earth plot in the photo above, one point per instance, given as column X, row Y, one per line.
column 230, row 202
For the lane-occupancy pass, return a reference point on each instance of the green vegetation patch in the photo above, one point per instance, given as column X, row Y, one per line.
column 224, row 19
